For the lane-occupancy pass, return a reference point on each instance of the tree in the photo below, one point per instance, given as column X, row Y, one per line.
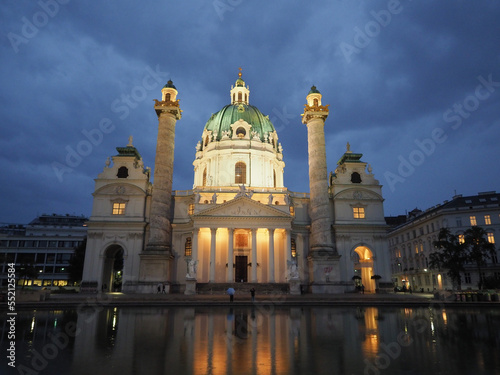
column 478, row 248
column 76, row 262
column 450, row 255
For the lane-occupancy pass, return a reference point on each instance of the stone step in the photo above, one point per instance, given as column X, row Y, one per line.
column 243, row 288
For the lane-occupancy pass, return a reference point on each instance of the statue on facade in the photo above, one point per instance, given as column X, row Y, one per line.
column 293, row 269
column 192, row 268
column 287, row 199
column 197, row 197
column 198, row 146
column 270, row 199
column 214, row 198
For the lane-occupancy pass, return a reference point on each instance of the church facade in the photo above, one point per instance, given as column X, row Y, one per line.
column 239, row 223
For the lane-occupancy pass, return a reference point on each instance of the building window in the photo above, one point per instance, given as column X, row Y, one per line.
column 293, row 247
column 239, row 97
column 467, row 278
column 359, row 212
column 188, row 247
column 204, row 183
column 191, row 209
column 118, row 208
column 487, row 219
column 355, row 178
column 461, row 238
column 473, row 221
column 491, row 237
column 240, row 173
column 122, row 172
column 274, row 178
column 241, row 132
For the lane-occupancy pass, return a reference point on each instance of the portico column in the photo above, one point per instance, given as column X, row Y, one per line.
column 194, row 250
column 254, row 255
column 271, row 255
column 230, row 256
column 213, row 232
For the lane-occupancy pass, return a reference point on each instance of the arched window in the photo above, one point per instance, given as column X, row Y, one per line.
column 293, row 246
column 240, row 173
column 122, row 172
column 274, row 178
column 315, row 101
column 239, row 97
column 204, row 183
column 167, row 97
column 234, row 97
column 207, row 138
column 355, row 178
column 188, row 247
column 240, row 132
column 245, row 97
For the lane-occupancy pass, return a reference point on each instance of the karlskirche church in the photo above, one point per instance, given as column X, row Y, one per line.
column 238, row 225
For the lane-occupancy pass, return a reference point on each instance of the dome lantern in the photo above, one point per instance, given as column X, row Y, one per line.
column 240, row 93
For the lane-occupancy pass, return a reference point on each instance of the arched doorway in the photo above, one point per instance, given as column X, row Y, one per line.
column 363, row 267
column 113, row 269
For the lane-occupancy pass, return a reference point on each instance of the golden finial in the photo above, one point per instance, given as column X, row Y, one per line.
column 239, row 74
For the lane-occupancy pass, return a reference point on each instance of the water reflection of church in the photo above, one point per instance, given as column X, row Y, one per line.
column 238, row 223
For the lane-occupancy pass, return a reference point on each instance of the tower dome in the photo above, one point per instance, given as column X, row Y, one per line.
column 239, row 146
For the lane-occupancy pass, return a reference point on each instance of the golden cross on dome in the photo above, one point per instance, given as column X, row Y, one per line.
column 239, row 74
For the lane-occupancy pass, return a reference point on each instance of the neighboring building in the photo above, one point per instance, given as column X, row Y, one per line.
column 47, row 243
column 238, row 223
column 411, row 243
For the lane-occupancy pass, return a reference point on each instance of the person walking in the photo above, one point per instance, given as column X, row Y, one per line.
column 163, row 289
column 230, row 291
column 252, row 293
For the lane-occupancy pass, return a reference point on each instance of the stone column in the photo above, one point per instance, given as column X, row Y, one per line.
column 194, row 244
column 254, row 256
column 322, row 255
column 155, row 259
column 230, row 256
column 213, row 233
column 271, row 255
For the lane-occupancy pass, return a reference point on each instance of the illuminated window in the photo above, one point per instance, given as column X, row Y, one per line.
column 240, row 173
column 359, row 212
column 473, row 221
column 491, row 237
column 461, row 238
column 293, row 246
column 239, row 97
column 167, row 97
column 487, row 219
column 188, row 247
column 191, row 209
column 292, row 210
column 118, row 208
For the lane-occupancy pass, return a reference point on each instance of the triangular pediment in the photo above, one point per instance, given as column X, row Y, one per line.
column 242, row 207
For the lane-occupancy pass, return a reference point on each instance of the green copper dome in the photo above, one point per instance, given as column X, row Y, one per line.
column 313, row 90
column 222, row 120
column 170, row 84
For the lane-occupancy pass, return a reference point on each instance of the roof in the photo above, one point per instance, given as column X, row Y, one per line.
column 222, row 120
column 313, row 90
column 170, row 84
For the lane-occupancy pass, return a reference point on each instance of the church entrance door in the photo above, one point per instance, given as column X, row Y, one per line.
column 241, row 269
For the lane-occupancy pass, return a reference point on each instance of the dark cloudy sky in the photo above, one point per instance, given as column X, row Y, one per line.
column 412, row 85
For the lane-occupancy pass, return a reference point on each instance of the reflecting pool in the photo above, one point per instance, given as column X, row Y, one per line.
column 263, row 339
